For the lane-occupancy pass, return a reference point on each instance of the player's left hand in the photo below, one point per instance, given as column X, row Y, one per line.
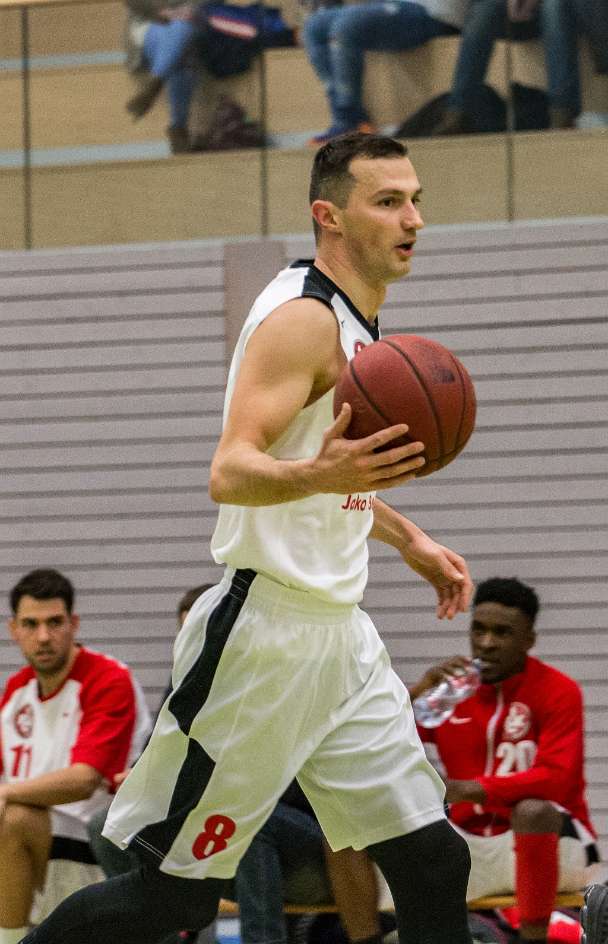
column 445, row 570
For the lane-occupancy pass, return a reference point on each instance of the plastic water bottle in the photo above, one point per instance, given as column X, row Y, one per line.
column 437, row 704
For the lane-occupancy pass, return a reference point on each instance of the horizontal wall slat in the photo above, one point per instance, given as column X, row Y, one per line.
column 171, row 450
column 496, row 338
column 499, row 286
column 110, row 307
column 146, row 279
column 57, row 335
column 469, row 314
column 201, row 401
column 169, row 352
column 138, row 377
column 99, row 428
column 54, row 261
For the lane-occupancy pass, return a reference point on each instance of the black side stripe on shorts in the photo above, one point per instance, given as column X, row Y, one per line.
column 185, row 703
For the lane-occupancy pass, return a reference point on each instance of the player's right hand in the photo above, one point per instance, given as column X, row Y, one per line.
column 345, row 466
column 455, row 665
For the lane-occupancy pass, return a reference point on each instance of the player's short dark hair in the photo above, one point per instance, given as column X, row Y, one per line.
column 190, row 596
column 510, row 592
column 330, row 178
column 43, row 584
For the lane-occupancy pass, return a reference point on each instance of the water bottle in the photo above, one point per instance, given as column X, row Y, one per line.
column 437, row 704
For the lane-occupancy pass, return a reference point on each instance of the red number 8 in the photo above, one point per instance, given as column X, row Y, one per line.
column 214, row 837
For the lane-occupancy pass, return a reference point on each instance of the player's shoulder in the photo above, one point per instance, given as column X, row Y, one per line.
column 550, row 679
column 15, row 682
column 99, row 668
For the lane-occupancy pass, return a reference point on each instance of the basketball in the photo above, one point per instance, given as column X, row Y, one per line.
column 404, row 378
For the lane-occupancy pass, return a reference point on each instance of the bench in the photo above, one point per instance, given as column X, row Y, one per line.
column 230, row 909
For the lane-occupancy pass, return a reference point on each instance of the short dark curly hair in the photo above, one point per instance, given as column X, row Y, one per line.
column 510, row 592
column 43, row 584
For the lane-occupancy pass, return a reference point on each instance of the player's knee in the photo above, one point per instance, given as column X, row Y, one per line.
column 535, row 816
column 193, row 902
column 437, row 850
column 451, row 852
column 21, row 822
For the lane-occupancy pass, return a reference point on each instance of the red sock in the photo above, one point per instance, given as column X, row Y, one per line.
column 536, row 875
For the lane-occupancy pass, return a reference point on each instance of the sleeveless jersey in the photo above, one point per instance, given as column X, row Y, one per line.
column 318, row 543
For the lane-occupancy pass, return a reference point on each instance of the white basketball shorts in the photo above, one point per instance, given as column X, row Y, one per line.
column 270, row 683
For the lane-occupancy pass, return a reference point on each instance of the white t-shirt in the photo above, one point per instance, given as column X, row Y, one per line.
column 318, row 543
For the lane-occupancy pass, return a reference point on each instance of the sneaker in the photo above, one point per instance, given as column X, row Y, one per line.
column 594, row 915
column 364, row 127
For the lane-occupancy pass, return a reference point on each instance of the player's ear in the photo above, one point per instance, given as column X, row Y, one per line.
column 325, row 215
column 74, row 623
column 12, row 627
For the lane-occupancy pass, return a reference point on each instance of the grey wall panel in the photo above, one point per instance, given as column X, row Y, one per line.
column 111, row 386
column 112, row 308
column 111, row 381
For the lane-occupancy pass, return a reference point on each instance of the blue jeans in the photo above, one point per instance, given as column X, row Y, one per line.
column 336, row 39
column 487, row 21
column 285, row 862
column 165, row 51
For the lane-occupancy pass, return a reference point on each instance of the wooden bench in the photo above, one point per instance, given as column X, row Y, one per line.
column 488, row 903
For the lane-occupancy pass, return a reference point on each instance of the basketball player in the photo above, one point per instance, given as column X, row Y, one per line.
column 277, row 671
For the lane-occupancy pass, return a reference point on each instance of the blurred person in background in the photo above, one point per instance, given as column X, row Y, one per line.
column 70, row 720
column 513, row 758
column 337, row 37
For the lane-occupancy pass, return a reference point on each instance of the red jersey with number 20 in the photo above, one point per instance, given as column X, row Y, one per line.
column 521, row 739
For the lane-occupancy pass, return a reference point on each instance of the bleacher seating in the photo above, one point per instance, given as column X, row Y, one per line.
column 94, row 168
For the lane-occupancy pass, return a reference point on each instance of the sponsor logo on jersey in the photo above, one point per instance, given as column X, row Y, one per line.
column 454, row 719
column 24, row 721
column 358, row 503
column 518, row 721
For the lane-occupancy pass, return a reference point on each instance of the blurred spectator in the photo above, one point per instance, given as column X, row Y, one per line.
column 593, row 17
column 160, row 37
column 513, row 756
column 336, row 39
column 555, row 21
column 69, row 721
column 290, row 861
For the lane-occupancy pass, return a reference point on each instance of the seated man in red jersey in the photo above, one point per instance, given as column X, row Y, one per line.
column 69, row 722
column 513, row 759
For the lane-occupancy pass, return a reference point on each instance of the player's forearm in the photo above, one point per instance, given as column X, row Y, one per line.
column 391, row 527
column 246, row 476
column 60, row 786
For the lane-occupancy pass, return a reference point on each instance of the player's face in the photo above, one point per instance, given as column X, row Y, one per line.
column 44, row 631
column 381, row 218
column 500, row 636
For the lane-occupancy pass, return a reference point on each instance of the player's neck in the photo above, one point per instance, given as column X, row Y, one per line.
column 365, row 297
column 49, row 684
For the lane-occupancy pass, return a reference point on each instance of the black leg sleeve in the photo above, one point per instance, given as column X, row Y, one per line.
column 427, row 872
column 138, row 907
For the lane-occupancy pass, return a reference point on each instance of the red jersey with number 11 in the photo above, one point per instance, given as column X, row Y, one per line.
column 521, row 739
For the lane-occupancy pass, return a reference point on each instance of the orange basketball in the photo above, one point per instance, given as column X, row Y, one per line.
column 404, row 378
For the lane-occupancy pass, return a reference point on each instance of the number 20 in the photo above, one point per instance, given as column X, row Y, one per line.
column 515, row 757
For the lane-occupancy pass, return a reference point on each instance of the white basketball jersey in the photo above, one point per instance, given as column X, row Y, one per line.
column 318, row 543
